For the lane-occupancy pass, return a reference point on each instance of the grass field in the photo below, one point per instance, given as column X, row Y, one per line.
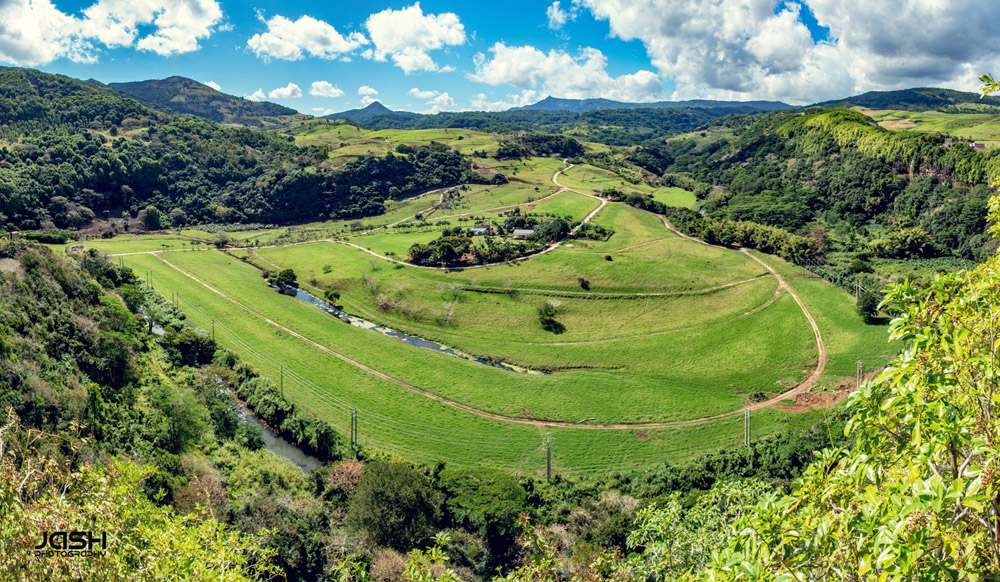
column 396, row 419
column 652, row 327
column 980, row 127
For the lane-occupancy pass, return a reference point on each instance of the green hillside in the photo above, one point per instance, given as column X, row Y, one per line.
column 181, row 95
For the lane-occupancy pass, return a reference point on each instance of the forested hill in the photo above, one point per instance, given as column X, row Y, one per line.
column 35, row 103
column 918, row 99
column 75, row 150
column 611, row 126
column 835, row 169
column 183, row 95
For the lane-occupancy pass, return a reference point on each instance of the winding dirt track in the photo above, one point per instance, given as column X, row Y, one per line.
column 800, row 388
column 551, row 247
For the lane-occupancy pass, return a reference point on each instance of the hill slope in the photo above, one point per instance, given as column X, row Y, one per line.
column 918, row 99
column 182, row 95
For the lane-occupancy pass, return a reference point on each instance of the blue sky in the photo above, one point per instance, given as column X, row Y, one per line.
column 448, row 55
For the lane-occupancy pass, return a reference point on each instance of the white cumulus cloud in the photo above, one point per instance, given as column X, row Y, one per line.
column 290, row 91
column 325, row 89
column 559, row 17
column 367, row 100
column 745, row 49
column 435, row 100
column 290, row 40
column 257, row 95
column 35, row 32
column 213, row 85
column 422, row 94
column 322, row 111
column 482, row 103
column 560, row 74
column 408, row 35
column 366, row 90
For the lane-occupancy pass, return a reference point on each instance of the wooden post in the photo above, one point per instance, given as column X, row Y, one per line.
column 746, row 426
column 861, row 369
column 548, row 459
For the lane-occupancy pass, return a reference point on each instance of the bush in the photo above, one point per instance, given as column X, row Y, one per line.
column 394, row 505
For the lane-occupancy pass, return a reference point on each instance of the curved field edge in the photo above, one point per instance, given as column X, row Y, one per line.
column 420, row 429
column 682, row 382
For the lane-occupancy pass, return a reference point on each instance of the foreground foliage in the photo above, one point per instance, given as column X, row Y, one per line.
column 43, row 490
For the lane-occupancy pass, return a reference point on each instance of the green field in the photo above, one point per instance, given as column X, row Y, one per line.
column 652, row 327
column 980, row 127
column 395, row 418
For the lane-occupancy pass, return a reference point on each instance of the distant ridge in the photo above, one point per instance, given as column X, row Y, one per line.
column 183, row 95
column 361, row 115
column 917, row 99
column 583, row 105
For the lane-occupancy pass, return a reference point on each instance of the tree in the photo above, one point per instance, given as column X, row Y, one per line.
column 867, row 306
column 394, row 505
column 485, row 501
column 151, row 218
column 286, row 278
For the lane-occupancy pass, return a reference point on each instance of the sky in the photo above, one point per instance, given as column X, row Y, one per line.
column 443, row 55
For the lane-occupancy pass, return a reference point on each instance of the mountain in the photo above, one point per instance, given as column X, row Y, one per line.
column 583, row 105
column 34, row 103
column 182, row 95
column 918, row 99
column 361, row 115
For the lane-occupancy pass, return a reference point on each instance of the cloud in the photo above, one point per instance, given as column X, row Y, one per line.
column 482, row 103
column 322, row 111
column 35, row 32
column 367, row 100
column 325, row 89
column 422, row 94
column 408, row 35
column 213, row 85
column 257, row 95
column 291, row 91
column 559, row 17
column 560, row 74
column 366, row 90
column 762, row 49
column 436, row 100
column 288, row 40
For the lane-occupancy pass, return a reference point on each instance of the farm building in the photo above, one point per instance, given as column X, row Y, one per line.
column 523, row 232
column 478, row 230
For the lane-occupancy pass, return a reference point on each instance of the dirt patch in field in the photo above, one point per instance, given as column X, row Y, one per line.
column 11, row 266
column 486, row 171
column 813, row 401
column 897, row 124
column 525, row 413
column 641, row 436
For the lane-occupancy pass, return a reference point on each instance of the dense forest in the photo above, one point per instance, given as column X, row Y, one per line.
column 835, row 170
column 72, row 151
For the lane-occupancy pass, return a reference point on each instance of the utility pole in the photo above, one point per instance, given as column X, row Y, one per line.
column 282, row 381
column 861, row 369
column 213, row 329
column 354, row 428
column 746, row 426
column 548, row 459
